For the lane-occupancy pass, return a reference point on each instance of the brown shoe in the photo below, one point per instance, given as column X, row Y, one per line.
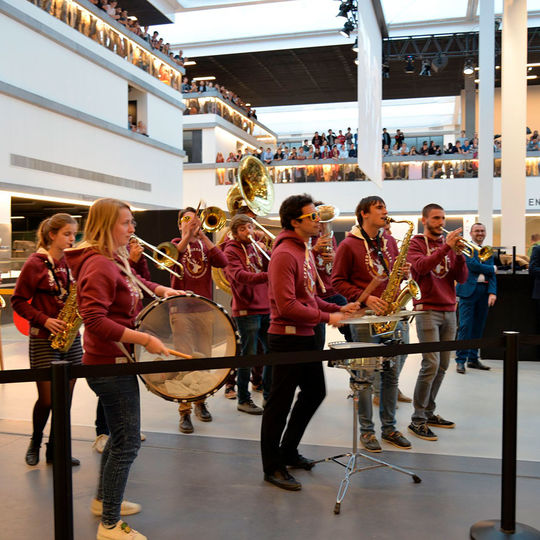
column 202, row 413
column 402, row 397
column 185, row 425
column 376, row 401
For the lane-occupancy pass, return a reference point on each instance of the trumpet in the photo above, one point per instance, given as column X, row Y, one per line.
column 165, row 255
column 468, row 248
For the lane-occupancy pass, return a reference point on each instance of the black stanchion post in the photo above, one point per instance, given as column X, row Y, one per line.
column 507, row 527
column 62, row 481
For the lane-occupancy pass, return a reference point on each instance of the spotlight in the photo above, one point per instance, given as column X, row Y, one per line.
column 355, row 47
column 468, row 68
column 409, row 66
column 439, row 63
column 347, row 29
column 426, row 69
column 344, row 8
column 385, row 70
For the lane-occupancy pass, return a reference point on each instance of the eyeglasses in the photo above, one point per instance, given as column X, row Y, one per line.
column 314, row 216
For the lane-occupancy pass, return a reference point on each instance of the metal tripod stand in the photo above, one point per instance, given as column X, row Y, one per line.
column 352, row 466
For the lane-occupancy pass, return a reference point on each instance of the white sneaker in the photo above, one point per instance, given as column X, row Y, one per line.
column 100, row 442
column 127, row 509
column 143, row 436
column 121, row 531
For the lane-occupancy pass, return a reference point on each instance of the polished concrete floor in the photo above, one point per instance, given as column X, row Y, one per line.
column 209, row 484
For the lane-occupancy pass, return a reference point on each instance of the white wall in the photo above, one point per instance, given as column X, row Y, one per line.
column 55, row 138
column 164, row 121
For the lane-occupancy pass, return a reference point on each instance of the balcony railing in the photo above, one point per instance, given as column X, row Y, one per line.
column 347, row 170
column 213, row 102
column 98, row 26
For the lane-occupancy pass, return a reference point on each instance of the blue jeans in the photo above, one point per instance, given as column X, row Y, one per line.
column 472, row 320
column 403, row 329
column 432, row 326
column 253, row 330
column 119, row 396
column 388, row 389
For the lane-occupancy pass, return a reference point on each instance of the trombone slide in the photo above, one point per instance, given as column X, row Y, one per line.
column 259, row 248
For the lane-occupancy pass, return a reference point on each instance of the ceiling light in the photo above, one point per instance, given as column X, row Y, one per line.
column 468, row 68
column 439, row 63
column 409, row 65
column 426, row 69
column 385, row 70
column 344, row 8
column 190, row 63
column 207, row 78
column 532, row 77
column 356, row 61
column 248, row 104
column 347, row 29
column 355, row 46
column 18, row 217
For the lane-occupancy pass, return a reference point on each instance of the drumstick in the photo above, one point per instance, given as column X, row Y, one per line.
column 179, row 354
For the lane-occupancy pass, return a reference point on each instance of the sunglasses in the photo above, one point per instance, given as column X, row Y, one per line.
column 185, row 219
column 314, row 216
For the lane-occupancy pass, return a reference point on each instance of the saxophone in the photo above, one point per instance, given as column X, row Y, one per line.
column 396, row 298
column 70, row 315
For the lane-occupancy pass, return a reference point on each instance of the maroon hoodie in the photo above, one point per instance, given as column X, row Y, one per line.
column 436, row 273
column 248, row 280
column 108, row 303
column 355, row 267
column 294, row 307
column 326, row 277
column 197, row 262
column 36, row 283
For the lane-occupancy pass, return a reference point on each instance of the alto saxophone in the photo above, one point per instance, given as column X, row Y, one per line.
column 397, row 298
column 70, row 315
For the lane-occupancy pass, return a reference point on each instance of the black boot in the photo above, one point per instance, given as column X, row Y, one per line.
column 32, row 454
column 49, row 454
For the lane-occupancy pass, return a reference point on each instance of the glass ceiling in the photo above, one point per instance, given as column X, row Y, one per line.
column 399, row 12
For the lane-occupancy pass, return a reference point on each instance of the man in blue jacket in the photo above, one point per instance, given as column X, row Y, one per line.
column 476, row 296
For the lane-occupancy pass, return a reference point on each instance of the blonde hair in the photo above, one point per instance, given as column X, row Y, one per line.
column 99, row 225
column 52, row 225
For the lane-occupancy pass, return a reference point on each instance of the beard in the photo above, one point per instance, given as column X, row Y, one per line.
column 435, row 231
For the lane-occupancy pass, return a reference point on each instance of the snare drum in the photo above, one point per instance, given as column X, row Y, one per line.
column 193, row 325
column 366, row 364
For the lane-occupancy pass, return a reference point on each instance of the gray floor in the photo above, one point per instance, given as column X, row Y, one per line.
column 212, row 488
column 209, row 485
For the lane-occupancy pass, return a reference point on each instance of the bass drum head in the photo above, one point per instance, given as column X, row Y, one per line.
column 192, row 325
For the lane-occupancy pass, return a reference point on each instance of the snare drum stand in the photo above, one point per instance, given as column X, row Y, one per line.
column 351, row 467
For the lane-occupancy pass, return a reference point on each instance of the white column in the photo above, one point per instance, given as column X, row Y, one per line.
column 514, row 118
column 485, row 116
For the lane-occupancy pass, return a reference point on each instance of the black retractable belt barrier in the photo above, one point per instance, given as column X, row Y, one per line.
column 507, row 527
column 62, row 481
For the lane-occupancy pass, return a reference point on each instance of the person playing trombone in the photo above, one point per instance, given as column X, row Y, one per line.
column 248, row 277
column 197, row 254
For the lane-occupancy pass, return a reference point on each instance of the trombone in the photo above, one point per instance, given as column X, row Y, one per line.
column 468, row 248
column 258, row 248
column 168, row 253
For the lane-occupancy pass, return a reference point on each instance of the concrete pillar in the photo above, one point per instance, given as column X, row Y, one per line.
column 514, row 118
column 485, row 116
column 470, row 105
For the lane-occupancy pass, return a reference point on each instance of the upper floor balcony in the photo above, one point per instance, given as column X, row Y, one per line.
column 95, row 24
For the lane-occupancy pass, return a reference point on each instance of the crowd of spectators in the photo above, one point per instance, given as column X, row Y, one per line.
column 202, row 87
column 121, row 15
column 323, row 147
column 137, row 127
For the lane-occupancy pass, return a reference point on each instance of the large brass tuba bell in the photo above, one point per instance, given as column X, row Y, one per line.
column 254, row 188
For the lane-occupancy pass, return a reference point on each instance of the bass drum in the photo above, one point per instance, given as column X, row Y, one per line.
column 193, row 325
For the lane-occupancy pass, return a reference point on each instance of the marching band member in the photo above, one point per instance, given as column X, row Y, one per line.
column 437, row 264
column 324, row 248
column 197, row 254
column 248, row 277
column 294, row 312
column 367, row 253
column 108, row 295
column 45, row 281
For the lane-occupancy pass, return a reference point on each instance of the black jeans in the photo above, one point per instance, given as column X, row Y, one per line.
column 276, row 445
